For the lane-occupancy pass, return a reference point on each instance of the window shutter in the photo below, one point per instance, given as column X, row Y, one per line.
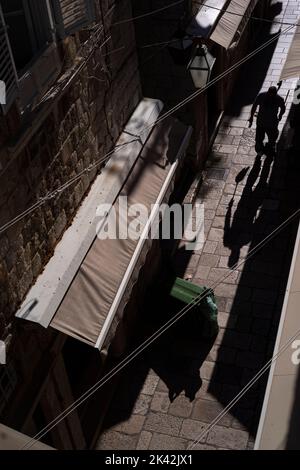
column 8, row 72
column 72, row 15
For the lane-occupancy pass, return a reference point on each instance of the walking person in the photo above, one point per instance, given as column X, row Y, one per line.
column 270, row 104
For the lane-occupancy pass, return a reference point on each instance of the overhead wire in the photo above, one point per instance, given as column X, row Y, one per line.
column 131, row 356
column 147, row 127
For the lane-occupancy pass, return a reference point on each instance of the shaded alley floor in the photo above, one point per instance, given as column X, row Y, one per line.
column 174, row 389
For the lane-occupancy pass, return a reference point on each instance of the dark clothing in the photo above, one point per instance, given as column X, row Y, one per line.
column 267, row 118
column 272, row 133
column 269, row 105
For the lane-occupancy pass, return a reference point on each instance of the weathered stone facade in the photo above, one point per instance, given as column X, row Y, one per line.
column 61, row 138
column 165, row 79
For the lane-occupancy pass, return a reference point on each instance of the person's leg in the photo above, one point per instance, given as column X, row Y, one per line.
column 259, row 139
column 272, row 134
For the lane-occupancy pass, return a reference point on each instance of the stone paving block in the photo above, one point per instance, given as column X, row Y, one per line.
column 243, row 324
column 216, row 235
column 209, row 260
column 210, row 247
column 199, row 446
column 237, row 340
column 243, row 419
column 232, row 149
column 216, row 274
column 209, row 214
column 264, row 296
column 224, row 139
column 220, row 336
column 227, row 437
column 207, row 226
column 222, row 354
column 249, row 359
column 202, row 272
column 225, row 320
column 226, row 290
column 150, row 384
column 259, row 344
column 221, row 303
column 206, row 411
column 181, row 406
column 237, row 307
column 163, row 423
column 224, row 262
column 219, row 222
column 113, row 440
column 261, row 326
column 236, row 140
column 207, row 370
column 162, row 387
column 232, row 189
column 144, row 440
column 160, row 401
column 222, row 210
column 210, row 204
column 142, row 404
column 214, row 193
column 262, row 311
column 165, row 442
column 236, row 131
column 133, row 425
column 192, row 428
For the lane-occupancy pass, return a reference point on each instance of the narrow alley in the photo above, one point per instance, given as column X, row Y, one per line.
column 166, row 397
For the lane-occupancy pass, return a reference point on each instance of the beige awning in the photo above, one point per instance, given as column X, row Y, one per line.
column 236, row 15
column 93, row 305
column 291, row 68
column 14, row 440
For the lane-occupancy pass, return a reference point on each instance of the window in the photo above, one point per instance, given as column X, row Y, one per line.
column 8, row 72
column 29, row 60
column 28, row 27
column 71, row 15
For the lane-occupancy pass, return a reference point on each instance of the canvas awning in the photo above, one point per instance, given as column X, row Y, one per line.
column 14, row 440
column 93, row 305
column 291, row 68
column 206, row 18
column 236, row 15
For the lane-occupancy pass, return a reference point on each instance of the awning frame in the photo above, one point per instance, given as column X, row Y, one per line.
column 45, row 296
column 114, row 307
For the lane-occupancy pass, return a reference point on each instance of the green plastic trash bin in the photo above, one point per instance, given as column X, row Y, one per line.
column 204, row 313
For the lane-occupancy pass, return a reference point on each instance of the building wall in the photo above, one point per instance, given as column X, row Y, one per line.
column 163, row 79
column 39, row 152
column 57, row 141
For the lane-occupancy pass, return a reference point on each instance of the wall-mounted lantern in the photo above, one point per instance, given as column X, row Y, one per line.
column 201, row 65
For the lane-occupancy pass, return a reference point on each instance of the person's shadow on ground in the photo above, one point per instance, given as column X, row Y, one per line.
column 177, row 358
column 239, row 228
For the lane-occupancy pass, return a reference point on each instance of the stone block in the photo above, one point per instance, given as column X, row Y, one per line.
column 230, row 438
column 163, row 423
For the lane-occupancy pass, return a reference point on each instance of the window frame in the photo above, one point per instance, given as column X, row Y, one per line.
column 62, row 30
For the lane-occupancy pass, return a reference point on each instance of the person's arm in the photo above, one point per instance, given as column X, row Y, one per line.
column 282, row 109
column 253, row 110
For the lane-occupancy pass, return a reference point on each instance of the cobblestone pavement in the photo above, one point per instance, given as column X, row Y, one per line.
column 176, row 388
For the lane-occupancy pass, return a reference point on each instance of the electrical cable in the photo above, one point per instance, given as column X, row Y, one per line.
column 255, row 18
column 150, row 126
column 247, row 387
column 155, row 335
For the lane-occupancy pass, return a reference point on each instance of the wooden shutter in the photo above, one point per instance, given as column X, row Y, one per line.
column 8, row 72
column 72, row 15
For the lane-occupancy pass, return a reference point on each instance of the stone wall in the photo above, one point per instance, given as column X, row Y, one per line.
column 70, row 132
